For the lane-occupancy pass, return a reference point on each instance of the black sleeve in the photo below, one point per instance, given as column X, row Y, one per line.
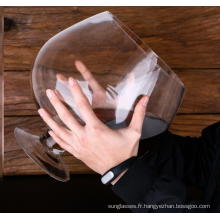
column 189, row 159
column 192, row 158
column 144, row 190
column 161, row 177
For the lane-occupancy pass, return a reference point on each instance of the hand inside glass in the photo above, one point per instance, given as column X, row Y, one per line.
column 116, row 101
column 98, row 146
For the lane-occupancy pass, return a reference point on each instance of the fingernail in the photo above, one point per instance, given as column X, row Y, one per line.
column 71, row 81
column 49, row 93
column 145, row 101
column 40, row 111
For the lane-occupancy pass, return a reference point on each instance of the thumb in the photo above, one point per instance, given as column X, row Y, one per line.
column 139, row 114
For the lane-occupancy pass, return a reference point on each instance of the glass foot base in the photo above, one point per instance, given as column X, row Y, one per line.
column 41, row 155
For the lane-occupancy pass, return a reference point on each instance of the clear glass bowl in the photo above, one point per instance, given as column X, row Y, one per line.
column 114, row 69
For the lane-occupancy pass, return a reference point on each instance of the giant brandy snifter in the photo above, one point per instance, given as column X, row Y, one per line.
column 124, row 69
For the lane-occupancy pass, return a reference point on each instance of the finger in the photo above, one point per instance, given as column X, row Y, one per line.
column 61, row 142
column 59, row 95
column 61, row 77
column 139, row 114
column 57, row 128
column 64, row 80
column 63, row 112
column 87, row 75
column 82, row 103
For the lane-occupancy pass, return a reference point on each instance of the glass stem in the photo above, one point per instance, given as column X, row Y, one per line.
column 50, row 144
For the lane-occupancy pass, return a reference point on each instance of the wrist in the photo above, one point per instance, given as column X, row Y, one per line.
column 113, row 174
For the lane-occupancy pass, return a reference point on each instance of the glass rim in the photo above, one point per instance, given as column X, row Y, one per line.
column 145, row 48
column 142, row 45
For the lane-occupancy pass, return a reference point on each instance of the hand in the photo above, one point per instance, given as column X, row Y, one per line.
column 99, row 97
column 98, row 146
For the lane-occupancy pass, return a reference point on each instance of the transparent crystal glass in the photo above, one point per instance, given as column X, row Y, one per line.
column 118, row 69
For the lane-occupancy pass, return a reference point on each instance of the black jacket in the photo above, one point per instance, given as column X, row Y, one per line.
column 161, row 177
